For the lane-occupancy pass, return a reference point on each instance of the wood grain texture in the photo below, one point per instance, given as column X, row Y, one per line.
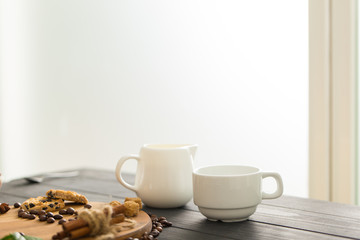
column 10, row 223
column 283, row 218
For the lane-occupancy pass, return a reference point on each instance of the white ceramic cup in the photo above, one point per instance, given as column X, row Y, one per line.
column 231, row 193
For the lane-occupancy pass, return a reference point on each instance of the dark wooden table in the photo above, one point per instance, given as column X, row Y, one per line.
column 283, row 218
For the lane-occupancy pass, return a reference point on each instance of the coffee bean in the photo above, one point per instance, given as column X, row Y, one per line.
column 17, row 205
column 31, row 216
column 154, row 233
column 58, row 216
column 88, row 206
column 70, row 211
column 159, row 229
column 25, row 215
column 21, row 212
column 50, row 220
column 153, row 218
column 61, row 221
column 63, row 212
column 161, row 219
column 35, row 212
column 50, row 214
column 42, row 218
column 41, row 212
column 166, row 223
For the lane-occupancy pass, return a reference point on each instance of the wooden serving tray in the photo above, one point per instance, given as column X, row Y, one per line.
column 10, row 222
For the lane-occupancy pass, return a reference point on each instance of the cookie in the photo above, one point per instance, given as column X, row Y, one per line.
column 43, row 203
column 67, row 195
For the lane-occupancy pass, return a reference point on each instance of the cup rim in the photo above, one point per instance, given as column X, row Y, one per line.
column 157, row 146
column 255, row 170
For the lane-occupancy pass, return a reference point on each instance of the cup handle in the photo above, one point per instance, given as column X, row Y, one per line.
column 118, row 171
column 279, row 187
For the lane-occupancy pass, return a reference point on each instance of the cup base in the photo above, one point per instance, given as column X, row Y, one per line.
column 227, row 215
column 230, row 220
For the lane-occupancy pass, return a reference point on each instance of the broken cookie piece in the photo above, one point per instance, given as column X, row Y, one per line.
column 43, row 203
column 67, row 195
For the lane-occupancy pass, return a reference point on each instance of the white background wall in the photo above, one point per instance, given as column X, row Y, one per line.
column 84, row 82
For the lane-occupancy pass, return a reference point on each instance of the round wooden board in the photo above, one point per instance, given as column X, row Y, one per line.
column 10, row 222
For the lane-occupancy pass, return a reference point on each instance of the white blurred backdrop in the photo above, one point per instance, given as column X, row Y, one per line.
column 84, row 82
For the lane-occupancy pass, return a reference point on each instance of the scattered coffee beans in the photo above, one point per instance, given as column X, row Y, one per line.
column 61, row 221
column 25, row 215
column 63, row 212
column 157, row 228
column 20, row 212
column 58, row 216
column 42, row 218
column 50, row 220
column 17, row 205
column 88, row 206
column 42, row 212
column 70, row 211
column 34, row 212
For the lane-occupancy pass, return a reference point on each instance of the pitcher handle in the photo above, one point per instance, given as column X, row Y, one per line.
column 279, row 187
column 119, row 165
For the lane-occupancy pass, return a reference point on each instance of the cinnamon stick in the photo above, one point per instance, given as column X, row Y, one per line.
column 79, row 227
column 72, row 225
column 77, row 233
column 61, row 235
column 118, row 209
column 118, row 219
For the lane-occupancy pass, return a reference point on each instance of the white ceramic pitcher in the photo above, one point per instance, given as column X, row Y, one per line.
column 164, row 174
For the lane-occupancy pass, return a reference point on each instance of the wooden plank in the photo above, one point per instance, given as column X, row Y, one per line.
column 192, row 225
column 316, row 206
column 283, row 212
column 287, row 215
column 195, row 222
